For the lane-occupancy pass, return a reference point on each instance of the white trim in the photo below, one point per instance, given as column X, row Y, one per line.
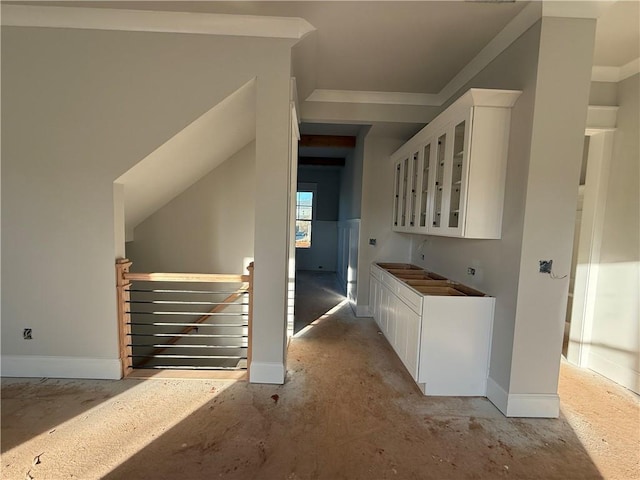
column 267, row 372
column 625, row 376
column 379, row 98
column 509, row 34
column 589, row 245
column 363, row 311
column 497, row 395
column 615, row 74
column 60, row 367
column 533, row 405
column 526, row 405
column 152, row 21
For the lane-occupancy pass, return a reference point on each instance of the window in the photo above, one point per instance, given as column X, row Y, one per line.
column 304, row 217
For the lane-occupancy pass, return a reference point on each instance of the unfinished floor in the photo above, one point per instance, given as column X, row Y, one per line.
column 348, row 410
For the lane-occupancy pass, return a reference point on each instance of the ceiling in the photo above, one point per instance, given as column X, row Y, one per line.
column 399, row 46
column 618, row 35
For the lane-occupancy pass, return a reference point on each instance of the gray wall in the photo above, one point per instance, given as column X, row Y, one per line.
column 497, row 262
column 351, row 181
column 79, row 108
column 323, row 253
column 208, row 228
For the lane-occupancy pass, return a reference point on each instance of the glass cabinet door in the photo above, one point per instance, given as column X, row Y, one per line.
column 415, row 172
column 439, row 184
column 404, row 196
column 457, row 169
column 396, row 195
column 425, row 187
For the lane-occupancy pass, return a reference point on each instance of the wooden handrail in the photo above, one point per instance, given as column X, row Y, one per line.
column 185, row 277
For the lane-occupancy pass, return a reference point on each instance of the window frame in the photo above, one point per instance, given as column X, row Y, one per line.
column 313, row 189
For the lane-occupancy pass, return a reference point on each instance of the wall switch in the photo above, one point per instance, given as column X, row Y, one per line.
column 545, row 266
column 372, row 241
column 27, row 334
column 471, row 271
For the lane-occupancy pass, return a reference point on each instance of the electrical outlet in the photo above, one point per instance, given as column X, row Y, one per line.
column 471, row 271
column 545, row 266
column 27, row 334
column 372, row 241
column 422, row 256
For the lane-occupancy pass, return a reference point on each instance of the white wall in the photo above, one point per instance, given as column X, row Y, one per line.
column 377, row 193
column 615, row 340
column 351, row 180
column 79, row 108
column 208, row 228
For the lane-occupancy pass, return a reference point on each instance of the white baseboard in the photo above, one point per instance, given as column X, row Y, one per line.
column 267, row 372
column 60, row 367
column 533, row 405
column 363, row 311
column 620, row 374
column 497, row 395
column 527, row 405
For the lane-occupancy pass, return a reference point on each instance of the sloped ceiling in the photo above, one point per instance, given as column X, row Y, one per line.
column 189, row 155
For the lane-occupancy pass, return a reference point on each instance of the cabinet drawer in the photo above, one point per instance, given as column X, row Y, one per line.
column 412, row 298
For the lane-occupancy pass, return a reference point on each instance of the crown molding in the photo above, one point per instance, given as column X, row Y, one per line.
column 152, row 21
column 379, row 98
column 510, row 33
column 615, row 74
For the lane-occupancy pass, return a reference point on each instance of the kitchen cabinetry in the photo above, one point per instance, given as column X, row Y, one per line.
column 441, row 330
column 450, row 177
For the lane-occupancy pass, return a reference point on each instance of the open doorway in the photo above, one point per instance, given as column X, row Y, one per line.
column 329, row 189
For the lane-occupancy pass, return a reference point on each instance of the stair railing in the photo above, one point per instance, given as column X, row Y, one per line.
column 205, row 326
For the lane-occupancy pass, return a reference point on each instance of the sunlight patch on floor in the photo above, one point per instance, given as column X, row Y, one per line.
column 320, row 319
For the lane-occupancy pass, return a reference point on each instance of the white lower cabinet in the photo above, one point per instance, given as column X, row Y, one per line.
column 439, row 329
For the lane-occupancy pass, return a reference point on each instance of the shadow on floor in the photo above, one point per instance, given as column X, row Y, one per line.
column 316, row 294
column 348, row 410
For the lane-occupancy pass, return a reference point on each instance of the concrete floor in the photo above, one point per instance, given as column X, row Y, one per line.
column 347, row 411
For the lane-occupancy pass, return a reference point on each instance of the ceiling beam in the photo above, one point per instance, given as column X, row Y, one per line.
column 322, row 161
column 335, row 141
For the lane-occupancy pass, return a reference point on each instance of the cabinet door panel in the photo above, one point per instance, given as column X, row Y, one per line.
column 438, row 194
column 400, row 345
column 412, row 355
column 426, row 187
column 414, row 190
column 396, row 195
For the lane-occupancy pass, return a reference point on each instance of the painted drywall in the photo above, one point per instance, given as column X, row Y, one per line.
column 377, row 193
column 615, row 341
column 564, row 71
column 81, row 107
column 603, row 94
column 540, row 198
column 160, row 176
column 351, row 180
column 274, row 171
column 208, row 228
column 327, row 180
column 497, row 262
column 323, row 254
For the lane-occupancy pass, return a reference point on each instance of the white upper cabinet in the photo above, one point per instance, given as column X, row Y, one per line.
column 449, row 178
